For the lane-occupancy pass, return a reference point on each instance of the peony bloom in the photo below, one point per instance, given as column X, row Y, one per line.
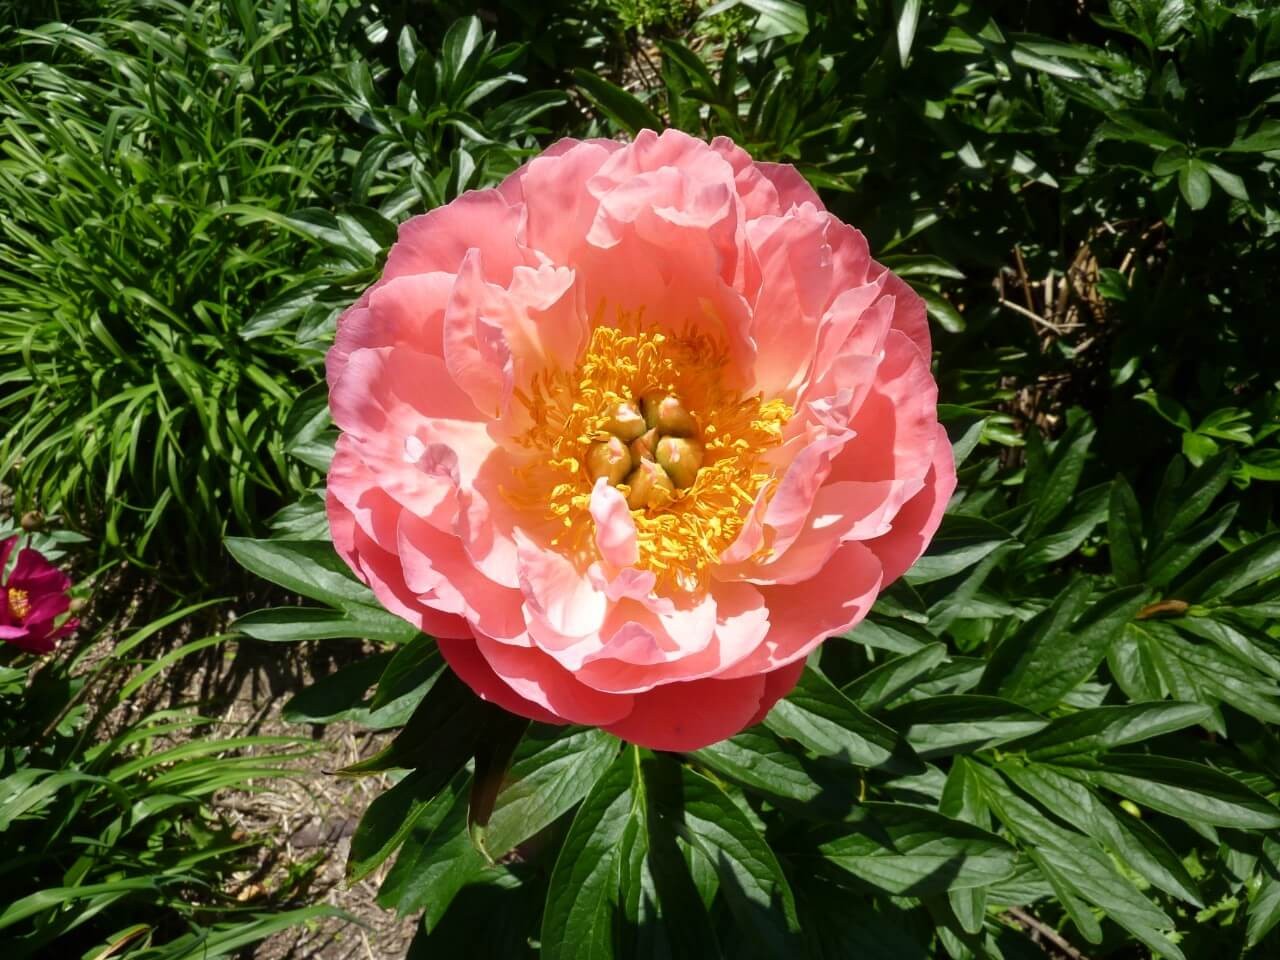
column 632, row 433
column 32, row 597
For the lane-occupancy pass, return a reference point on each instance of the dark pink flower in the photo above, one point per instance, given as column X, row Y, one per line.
column 32, row 598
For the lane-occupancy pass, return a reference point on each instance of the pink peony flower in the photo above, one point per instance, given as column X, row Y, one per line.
column 32, row 597
column 632, row 433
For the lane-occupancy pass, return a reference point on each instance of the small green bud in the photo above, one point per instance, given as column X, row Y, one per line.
column 625, row 422
column 665, row 413
column 681, row 459
column 609, row 459
column 650, row 486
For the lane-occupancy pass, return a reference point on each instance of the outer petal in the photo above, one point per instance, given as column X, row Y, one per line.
column 464, row 657
column 918, row 520
column 536, row 677
column 692, row 715
column 777, row 684
column 802, row 615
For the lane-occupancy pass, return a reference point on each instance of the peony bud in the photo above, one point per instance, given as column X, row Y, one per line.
column 609, row 459
column 681, row 459
column 32, row 520
column 625, row 422
column 665, row 413
column 650, row 486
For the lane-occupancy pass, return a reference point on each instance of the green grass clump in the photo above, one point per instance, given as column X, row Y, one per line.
column 134, row 150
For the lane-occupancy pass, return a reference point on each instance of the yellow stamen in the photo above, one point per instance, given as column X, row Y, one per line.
column 19, row 604
column 680, row 539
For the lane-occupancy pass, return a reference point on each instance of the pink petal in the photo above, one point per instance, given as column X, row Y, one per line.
column 793, row 189
column 465, row 660
column 437, row 569
column 615, row 527
column 381, row 571
column 777, row 684
column 802, row 615
column 915, row 524
column 795, row 269
column 896, row 426
column 437, row 241
column 690, row 715
column 476, row 351
column 558, row 207
column 536, row 677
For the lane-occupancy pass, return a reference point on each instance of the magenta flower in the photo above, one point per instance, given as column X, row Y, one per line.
column 32, row 598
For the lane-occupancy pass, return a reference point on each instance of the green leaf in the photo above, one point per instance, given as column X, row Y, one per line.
column 1263, row 140
column 496, row 746
column 961, row 543
column 1193, row 181
column 961, row 723
column 1124, row 533
column 412, row 666
column 1175, row 555
column 293, row 624
column 1196, row 494
column 1131, row 840
column 1188, row 790
column 817, row 715
column 1088, row 509
column 392, row 814
column 914, row 852
column 552, row 771
column 1235, row 571
column 777, row 17
column 907, row 13
column 751, row 879
column 1267, row 71
column 437, row 858
column 1264, row 904
column 1105, row 728
column 760, row 763
column 1033, row 652
column 338, row 695
column 307, row 567
column 1077, row 868
column 1069, row 457
column 579, row 919
column 440, row 735
column 618, row 105
column 881, row 685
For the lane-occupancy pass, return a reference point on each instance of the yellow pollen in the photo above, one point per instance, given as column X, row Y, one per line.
column 19, row 605
column 682, row 539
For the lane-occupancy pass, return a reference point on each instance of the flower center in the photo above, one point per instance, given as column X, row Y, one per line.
column 648, row 411
column 19, row 604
